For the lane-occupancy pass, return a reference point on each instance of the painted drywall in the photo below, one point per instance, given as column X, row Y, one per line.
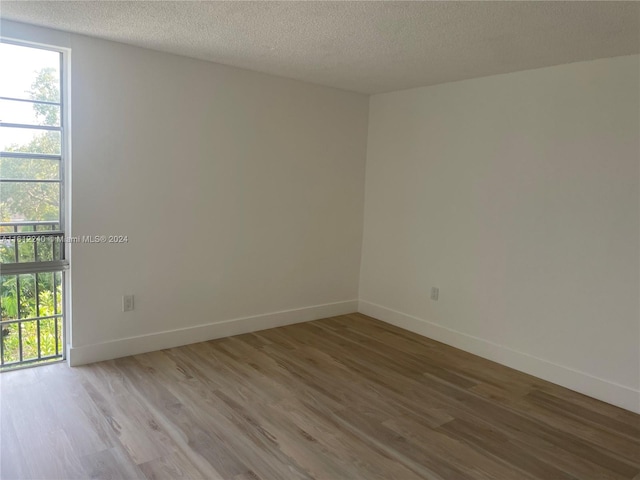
column 241, row 195
column 518, row 196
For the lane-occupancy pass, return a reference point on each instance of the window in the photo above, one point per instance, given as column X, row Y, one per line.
column 33, row 257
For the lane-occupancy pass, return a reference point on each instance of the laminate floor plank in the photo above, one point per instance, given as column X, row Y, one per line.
column 293, row 439
column 110, row 464
column 347, row 397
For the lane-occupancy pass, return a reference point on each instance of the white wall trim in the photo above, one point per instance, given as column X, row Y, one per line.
column 200, row 333
column 610, row 392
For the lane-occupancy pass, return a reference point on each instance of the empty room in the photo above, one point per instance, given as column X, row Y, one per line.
column 256, row 240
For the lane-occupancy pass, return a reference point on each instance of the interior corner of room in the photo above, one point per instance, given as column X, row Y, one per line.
column 243, row 198
column 495, row 213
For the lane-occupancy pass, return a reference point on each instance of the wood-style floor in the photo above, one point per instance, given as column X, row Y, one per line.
column 342, row 398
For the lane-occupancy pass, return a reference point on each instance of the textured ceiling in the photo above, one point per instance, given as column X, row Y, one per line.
column 362, row 46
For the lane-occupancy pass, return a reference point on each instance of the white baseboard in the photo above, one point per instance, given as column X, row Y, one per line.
column 610, row 392
column 183, row 336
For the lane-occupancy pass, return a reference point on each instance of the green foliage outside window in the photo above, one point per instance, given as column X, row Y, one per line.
column 32, row 202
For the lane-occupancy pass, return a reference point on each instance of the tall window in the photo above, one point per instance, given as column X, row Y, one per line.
column 32, row 226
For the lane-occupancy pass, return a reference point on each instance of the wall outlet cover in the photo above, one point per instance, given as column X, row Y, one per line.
column 127, row 303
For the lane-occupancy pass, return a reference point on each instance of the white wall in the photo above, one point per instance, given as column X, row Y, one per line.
column 518, row 196
column 241, row 195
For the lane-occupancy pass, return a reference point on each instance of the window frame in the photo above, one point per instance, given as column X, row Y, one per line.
column 63, row 265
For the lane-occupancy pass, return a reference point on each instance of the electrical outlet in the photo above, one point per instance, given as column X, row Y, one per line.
column 435, row 293
column 127, row 303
